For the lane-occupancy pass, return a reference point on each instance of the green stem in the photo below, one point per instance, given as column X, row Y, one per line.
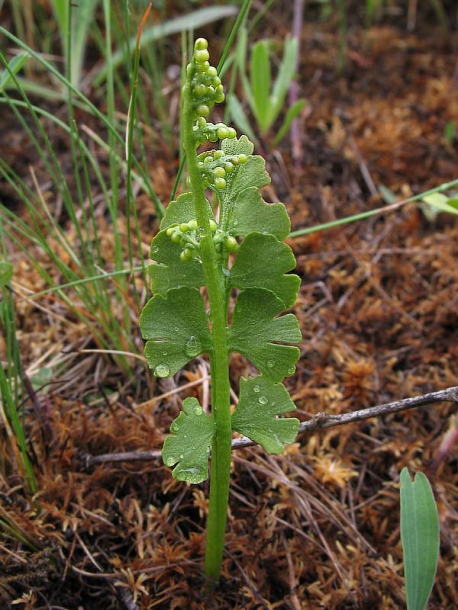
column 219, row 359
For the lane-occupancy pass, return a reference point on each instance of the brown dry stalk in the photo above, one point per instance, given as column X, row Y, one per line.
column 320, row 420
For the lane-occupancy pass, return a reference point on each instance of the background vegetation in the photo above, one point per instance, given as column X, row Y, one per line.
column 318, row 526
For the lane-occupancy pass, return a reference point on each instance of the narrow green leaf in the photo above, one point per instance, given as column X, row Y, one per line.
column 256, row 334
column 441, row 203
column 183, row 23
column 239, row 116
column 261, row 78
column 242, row 62
column 6, row 273
column 285, row 76
column 82, row 19
column 42, row 379
column 176, row 329
column 449, row 132
column 292, row 113
column 263, row 262
column 420, row 537
column 61, row 8
column 255, row 416
column 387, row 195
column 190, row 443
column 250, row 214
column 14, row 66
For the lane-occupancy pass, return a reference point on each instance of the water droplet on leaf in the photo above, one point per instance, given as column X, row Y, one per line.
column 198, row 410
column 256, row 388
column 154, row 249
column 162, row 370
column 170, row 461
column 193, row 347
column 175, row 426
column 263, row 400
column 270, row 364
column 189, row 471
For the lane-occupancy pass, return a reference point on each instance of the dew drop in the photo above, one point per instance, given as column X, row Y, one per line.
column 256, row 388
column 225, row 271
column 154, row 249
column 175, row 426
column 291, row 370
column 188, row 471
column 263, row 400
column 270, row 364
column 235, row 223
column 191, row 475
column 181, row 456
column 171, row 460
column 162, row 370
column 193, row 347
column 198, row 410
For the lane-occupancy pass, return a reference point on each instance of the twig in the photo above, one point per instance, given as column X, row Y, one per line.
column 363, row 167
column 292, row 578
column 128, row 456
column 296, row 142
column 320, row 420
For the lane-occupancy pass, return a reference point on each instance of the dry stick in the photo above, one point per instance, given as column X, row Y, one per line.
column 320, row 420
column 296, row 139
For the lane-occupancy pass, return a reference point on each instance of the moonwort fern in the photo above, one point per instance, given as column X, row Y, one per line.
column 231, row 245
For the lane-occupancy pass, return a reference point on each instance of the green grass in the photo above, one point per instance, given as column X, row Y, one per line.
column 88, row 256
column 107, row 307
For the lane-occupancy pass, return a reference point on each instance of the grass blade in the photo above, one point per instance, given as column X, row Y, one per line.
column 12, row 67
column 191, row 21
column 11, row 387
column 239, row 117
column 363, row 215
column 261, row 80
column 292, row 113
column 285, row 75
column 234, row 31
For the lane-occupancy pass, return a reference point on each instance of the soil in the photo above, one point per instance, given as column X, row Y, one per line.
column 317, row 527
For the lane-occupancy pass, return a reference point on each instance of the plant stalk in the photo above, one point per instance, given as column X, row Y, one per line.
column 219, row 359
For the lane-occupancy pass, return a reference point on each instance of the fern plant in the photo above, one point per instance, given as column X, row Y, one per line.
column 232, row 244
